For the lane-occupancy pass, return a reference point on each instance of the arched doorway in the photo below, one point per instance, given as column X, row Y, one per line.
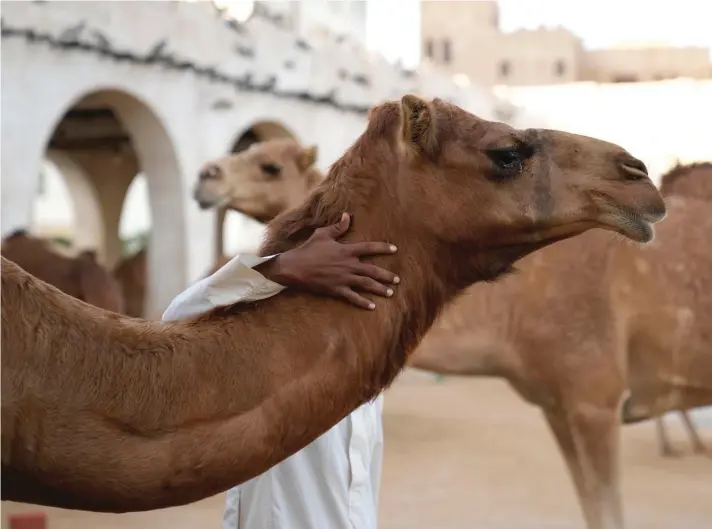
column 236, row 232
column 64, row 197
column 109, row 137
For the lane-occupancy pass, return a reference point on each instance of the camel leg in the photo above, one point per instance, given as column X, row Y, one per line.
column 666, row 449
column 589, row 441
column 698, row 446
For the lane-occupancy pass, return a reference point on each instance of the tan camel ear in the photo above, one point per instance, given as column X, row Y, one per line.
column 308, row 156
column 418, row 127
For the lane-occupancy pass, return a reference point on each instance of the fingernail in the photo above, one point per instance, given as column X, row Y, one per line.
column 389, row 292
column 396, row 280
column 393, row 248
column 371, row 306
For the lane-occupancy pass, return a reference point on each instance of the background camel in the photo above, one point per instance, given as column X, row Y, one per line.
column 694, row 181
column 260, row 181
column 274, row 175
column 81, row 276
column 106, row 412
column 582, row 323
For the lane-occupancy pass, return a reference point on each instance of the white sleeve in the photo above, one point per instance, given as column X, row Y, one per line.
column 235, row 282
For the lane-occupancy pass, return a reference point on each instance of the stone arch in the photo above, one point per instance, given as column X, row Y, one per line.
column 89, row 233
column 112, row 135
column 262, row 130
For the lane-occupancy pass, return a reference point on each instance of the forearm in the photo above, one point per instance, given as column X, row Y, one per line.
column 275, row 271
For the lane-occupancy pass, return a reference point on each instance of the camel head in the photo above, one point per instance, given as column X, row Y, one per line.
column 480, row 194
column 261, row 181
column 691, row 180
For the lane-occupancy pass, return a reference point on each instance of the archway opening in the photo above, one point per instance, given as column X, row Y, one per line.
column 53, row 209
column 108, row 138
column 235, row 231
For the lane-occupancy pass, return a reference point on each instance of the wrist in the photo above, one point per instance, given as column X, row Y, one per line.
column 276, row 271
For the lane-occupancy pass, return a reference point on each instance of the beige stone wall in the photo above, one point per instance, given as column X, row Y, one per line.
column 463, row 37
column 466, row 28
column 646, row 64
column 536, row 57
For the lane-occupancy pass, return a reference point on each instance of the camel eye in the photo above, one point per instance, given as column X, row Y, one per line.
column 271, row 169
column 508, row 159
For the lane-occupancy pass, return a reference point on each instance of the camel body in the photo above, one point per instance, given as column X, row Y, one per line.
column 81, row 277
column 110, row 413
column 661, row 294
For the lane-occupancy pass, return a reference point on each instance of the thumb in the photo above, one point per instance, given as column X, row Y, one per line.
column 342, row 226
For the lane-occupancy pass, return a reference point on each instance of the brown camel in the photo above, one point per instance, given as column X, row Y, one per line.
column 610, row 319
column 695, row 181
column 108, row 413
column 274, row 175
column 81, row 277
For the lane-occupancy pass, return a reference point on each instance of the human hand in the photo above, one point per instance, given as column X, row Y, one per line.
column 325, row 266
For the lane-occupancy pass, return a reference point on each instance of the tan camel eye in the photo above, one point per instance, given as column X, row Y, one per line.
column 509, row 160
column 271, row 169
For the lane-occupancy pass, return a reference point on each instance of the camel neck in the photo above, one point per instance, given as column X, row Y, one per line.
column 265, row 379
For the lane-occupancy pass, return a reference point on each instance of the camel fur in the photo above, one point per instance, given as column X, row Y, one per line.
column 82, row 277
column 585, row 323
column 693, row 181
column 109, row 413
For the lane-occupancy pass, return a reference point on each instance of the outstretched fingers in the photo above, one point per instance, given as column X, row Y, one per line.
column 355, row 298
column 360, row 249
column 377, row 273
column 366, row 284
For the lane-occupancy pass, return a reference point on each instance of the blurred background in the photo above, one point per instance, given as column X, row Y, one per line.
column 110, row 109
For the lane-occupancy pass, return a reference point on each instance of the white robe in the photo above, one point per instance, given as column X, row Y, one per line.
column 333, row 482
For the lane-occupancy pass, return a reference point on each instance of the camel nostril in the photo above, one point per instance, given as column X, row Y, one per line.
column 634, row 169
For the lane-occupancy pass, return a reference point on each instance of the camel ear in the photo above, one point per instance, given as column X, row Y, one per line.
column 418, row 126
column 308, row 156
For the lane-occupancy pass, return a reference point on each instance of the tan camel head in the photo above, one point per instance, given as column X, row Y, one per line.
column 689, row 180
column 484, row 194
column 262, row 181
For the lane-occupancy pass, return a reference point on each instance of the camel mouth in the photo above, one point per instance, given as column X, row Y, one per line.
column 210, row 203
column 631, row 224
column 634, row 223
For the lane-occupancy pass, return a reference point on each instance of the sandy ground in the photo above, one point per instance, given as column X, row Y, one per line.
column 470, row 454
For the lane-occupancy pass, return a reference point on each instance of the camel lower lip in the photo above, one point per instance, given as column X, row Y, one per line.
column 643, row 233
column 637, row 230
